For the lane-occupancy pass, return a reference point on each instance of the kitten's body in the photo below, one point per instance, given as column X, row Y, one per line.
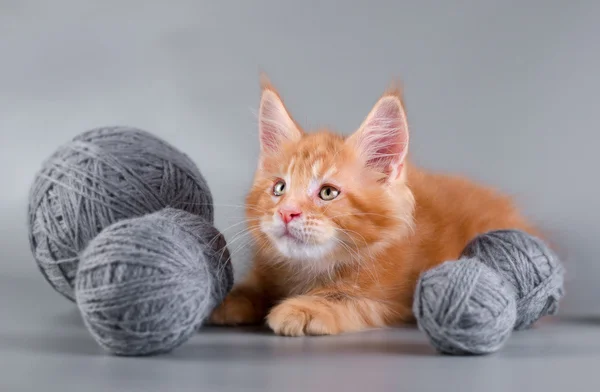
column 350, row 263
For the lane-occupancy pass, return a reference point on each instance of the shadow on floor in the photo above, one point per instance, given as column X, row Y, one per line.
column 68, row 318
column 582, row 320
column 281, row 348
column 562, row 351
column 247, row 330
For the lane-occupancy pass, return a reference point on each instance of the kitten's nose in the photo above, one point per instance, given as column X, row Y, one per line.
column 288, row 214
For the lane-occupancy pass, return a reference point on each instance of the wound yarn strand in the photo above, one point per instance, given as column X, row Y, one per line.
column 533, row 270
column 146, row 284
column 98, row 178
column 504, row 280
column 122, row 223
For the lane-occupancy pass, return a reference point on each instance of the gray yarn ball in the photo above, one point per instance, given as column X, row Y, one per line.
column 464, row 307
column 145, row 284
column 529, row 265
column 100, row 177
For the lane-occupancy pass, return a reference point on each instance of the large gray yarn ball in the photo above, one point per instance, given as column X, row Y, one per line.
column 100, row 177
column 145, row 284
column 464, row 307
column 529, row 265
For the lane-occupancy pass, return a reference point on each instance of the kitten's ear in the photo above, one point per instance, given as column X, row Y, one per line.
column 382, row 139
column 275, row 124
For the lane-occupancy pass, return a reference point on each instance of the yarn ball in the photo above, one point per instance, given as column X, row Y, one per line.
column 464, row 307
column 145, row 284
column 529, row 265
column 100, row 177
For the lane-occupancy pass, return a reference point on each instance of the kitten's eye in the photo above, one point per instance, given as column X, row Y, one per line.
column 279, row 188
column 328, row 193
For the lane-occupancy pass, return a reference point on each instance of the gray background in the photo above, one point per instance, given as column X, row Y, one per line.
column 503, row 91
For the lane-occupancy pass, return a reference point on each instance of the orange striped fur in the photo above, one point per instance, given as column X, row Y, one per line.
column 350, row 263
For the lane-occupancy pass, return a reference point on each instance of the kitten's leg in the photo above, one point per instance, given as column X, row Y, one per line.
column 328, row 313
column 246, row 304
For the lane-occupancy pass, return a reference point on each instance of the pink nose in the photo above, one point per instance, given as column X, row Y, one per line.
column 288, row 214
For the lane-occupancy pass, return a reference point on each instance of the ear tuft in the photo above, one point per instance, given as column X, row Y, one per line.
column 383, row 138
column 265, row 82
column 276, row 126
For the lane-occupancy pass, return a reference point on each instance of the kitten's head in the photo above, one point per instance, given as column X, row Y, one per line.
column 319, row 198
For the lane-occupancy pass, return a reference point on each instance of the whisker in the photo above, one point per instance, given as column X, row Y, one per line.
column 371, row 257
column 355, row 257
column 237, row 238
column 243, row 206
column 356, row 260
column 222, row 232
column 244, row 234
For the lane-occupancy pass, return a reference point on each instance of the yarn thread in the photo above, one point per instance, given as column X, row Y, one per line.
column 504, row 280
column 145, row 284
column 529, row 265
column 464, row 307
column 100, row 177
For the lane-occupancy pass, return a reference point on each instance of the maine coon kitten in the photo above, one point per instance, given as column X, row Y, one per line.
column 344, row 226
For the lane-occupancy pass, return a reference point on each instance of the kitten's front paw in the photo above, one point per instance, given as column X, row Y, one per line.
column 305, row 315
column 237, row 309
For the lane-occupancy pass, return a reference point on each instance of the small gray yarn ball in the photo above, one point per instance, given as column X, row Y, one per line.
column 100, row 177
column 145, row 284
column 464, row 307
column 529, row 265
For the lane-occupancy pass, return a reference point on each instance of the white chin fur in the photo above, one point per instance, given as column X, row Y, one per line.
column 291, row 249
column 296, row 250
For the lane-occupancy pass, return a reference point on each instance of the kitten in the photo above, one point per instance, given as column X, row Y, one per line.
column 344, row 226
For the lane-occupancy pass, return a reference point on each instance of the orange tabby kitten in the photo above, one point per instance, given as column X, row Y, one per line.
column 344, row 226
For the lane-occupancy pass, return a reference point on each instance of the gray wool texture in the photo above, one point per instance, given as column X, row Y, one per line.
column 504, row 280
column 144, row 285
column 101, row 177
column 532, row 269
column 464, row 307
